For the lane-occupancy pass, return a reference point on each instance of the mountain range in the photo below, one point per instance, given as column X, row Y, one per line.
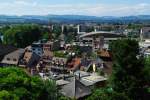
column 73, row 19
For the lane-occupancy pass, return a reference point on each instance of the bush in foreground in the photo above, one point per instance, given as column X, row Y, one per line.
column 17, row 85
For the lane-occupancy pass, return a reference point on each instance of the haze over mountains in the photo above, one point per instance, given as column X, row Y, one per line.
column 73, row 19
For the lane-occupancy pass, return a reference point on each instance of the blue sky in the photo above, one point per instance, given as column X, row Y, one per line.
column 79, row 7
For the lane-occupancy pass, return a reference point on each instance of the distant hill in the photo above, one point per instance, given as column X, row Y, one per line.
column 73, row 19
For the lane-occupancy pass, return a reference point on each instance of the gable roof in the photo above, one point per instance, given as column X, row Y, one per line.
column 75, row 89
column 30, row 58
column 13, row 57
column 5, row 49
column 104, row 53
column 61, row 82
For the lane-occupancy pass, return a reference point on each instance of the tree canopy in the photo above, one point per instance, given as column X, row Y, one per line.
column 22, row 35
column 128, row 76
column 105, row 94
column 15, row 84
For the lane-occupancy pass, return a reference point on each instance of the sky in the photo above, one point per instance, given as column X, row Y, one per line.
column 75, row 7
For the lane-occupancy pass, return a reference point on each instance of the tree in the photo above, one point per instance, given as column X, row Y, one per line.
column 127, row 76
column 4, row 29
column 134, row 26
column 104, row 94
column 22, row 35
column 15, row 84
column 45, row 35
column 5, row 95
column 56, row 32
column 147, row 69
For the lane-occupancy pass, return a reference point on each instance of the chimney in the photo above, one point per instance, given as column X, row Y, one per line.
column 78, row 29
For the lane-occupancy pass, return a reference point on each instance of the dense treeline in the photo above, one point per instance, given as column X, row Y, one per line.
column 128, row 75
column 22, row 35
column 15, row 84
column 25, row 34
column 130, row 79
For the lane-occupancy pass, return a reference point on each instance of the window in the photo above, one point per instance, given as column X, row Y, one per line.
column 14, row 59
column 39, row 53
column 8, row 59
column 39, row 49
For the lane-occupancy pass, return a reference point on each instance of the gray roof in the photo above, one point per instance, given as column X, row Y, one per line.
column 81, row 73
column 6, row 49
column 62, row 82
column 31, row 59
column 102, row 33
column 13, row 57
column 75, row 89
column 92, row 79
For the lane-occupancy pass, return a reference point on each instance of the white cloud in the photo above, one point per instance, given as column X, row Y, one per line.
column 26, row 7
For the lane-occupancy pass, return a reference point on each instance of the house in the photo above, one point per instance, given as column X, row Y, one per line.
column 58, row 65
column 99, row 64
column 30, row 59
column 13, row 58
column 104, row 54
column 6, row 49
column 74, row 64
column 145, row 41
column 37, row 47
column 47, row 56
column 51, row 46
column 145, row 33
column 75, row 90
column 47, row 46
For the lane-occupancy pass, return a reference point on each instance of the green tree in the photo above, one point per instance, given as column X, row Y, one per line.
column 22, row 35
column 127, row 76
column 45, row 35
column 56, row 32
column 17, row 85
column 104, row 94
column 4, row 28
column 5, row 95
column 134, row 26
column 147, row 69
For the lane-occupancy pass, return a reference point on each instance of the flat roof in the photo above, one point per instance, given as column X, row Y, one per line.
column 90, row 80
column 110, row 34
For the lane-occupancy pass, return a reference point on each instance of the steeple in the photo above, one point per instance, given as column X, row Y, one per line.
column 141, row 34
